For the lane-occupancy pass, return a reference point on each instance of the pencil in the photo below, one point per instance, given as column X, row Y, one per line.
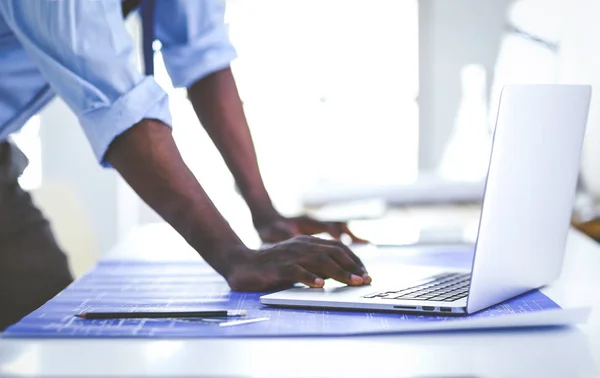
column 161, row 314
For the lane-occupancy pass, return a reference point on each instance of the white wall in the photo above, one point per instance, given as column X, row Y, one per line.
column 453, row 33
column 580, row 64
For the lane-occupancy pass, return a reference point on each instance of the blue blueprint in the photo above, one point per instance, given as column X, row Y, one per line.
column 135, row 285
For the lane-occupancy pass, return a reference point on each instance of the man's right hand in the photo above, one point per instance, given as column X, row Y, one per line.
column 302, row 259
column 147, row 157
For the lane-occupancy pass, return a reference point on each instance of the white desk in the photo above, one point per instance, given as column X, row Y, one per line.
column 560, row 352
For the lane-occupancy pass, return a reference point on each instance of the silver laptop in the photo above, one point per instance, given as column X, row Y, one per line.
column 524, row 222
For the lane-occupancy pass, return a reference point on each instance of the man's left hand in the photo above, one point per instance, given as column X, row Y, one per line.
column 282, row 228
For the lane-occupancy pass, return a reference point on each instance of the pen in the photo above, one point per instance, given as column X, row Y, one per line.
column 161, row 314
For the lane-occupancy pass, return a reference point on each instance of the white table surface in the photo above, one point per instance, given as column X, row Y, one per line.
column 558, row 352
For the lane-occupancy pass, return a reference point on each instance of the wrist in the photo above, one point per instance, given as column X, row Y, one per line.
column 218, row 244
column 260, row 204
column 234, row 259
column 226, row 257
column 262, row 216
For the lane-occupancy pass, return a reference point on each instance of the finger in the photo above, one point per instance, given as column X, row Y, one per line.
column 299, row 274
column 331, row 229
column 344, row 229
column 347, row 254
column 347, row 250
column 325, row 266
column 341, row 256
column 309, row 226
column 342, row 259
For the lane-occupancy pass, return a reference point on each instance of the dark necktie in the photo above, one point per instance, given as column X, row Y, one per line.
column 147, row 12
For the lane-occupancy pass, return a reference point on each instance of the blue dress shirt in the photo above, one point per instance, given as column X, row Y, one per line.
column 80, row 50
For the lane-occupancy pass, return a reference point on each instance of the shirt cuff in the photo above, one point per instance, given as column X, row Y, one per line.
column 184, row 73
column 147, row 100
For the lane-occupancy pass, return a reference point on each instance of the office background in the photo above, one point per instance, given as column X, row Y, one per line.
column 399, row 81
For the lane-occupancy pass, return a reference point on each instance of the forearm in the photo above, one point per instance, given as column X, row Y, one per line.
column 148, row 159
column 219, row 108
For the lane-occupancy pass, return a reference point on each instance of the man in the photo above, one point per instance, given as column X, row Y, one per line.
column 80, row 51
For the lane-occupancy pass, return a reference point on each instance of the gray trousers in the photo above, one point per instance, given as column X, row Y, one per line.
column 33, row 269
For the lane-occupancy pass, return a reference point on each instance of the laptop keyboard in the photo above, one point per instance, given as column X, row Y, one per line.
column 447, row 287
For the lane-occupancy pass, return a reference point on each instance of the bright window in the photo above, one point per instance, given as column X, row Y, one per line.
column 329, row 90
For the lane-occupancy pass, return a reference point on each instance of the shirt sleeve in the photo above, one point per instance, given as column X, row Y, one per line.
column 84, row 51
column 194, row 38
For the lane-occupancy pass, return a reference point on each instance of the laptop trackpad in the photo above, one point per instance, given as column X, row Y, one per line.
column 384, row 278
